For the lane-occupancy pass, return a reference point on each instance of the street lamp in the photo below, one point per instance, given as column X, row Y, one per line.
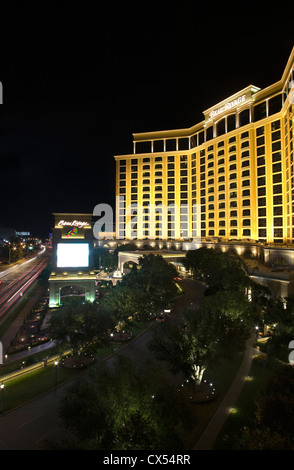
column 56, row 364
column 2, row 393
column 10, row 250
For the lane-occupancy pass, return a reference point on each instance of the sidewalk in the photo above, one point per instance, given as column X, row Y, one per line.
column 28, row 352
column 211, row 432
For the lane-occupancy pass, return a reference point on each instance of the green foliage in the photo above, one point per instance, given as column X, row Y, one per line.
column 219, row 327
column 124, row 301
column 144, row 290
column 278, row 315
column 186, row 352
column 272, row 428
column 155, row 277
column 218, row 270
column 122, row 407
column 84, row 327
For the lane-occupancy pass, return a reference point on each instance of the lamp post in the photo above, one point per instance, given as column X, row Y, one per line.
column 56, row 364
column 10, row 250
column 2, row 393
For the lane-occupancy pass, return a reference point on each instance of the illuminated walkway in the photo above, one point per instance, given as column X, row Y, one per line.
column 215, row 425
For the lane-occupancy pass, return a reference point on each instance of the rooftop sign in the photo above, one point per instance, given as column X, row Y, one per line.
column 227, row 106
column 73, row 223
column 232, row 103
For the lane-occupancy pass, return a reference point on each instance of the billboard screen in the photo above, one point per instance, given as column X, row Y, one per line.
column 72, row 255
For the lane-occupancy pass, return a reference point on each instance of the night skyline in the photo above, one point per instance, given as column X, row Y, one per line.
column 126, row 72
column 170, row 331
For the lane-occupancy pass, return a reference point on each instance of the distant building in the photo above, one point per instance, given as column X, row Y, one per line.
column 23, row 234
column 7, row 234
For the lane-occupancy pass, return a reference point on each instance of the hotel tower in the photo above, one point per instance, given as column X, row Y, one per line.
column 230, row 176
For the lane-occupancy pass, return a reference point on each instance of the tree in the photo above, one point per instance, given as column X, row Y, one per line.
column 279, row 317
column 185, row 351
column 218, row 270
column 144, row 290
column 104, row 258
column 232, row 319
column 261, row 299
column 124, row 302
column 82, row 327
column 202, row 262
column 156, row 277
column 272, row 428
column 123, row 406
column 219, row 326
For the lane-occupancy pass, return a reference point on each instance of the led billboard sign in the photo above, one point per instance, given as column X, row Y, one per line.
column 72, row 255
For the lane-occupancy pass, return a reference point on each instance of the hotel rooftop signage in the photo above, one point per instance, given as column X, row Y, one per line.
column 234, row 102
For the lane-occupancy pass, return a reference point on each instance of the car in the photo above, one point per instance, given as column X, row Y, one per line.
column 152, row 316
column 160, row 319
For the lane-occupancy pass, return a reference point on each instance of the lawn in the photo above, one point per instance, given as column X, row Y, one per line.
column 19, row 391
column 243, row 412
column 222, row 376
column 23, row 389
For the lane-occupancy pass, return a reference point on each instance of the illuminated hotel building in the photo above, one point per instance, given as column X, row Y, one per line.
column 236, row 166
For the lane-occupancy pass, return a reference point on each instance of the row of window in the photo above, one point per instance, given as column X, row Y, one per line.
column 261, row 173
column 183, row 158
column 226, row 124
column 232, row 232
column 262, row 234
column 289, row 157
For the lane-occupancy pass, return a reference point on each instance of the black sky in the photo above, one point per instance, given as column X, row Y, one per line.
column 79, row 79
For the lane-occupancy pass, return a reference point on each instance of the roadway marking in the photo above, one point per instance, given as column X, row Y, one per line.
column 45, row 435
column 30, row 421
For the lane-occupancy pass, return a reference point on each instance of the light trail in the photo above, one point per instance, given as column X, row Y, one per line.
column 15, row 291
column 8, row 271
column 21, row 278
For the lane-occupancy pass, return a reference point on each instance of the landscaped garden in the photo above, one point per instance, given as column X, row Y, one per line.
column 193, row 359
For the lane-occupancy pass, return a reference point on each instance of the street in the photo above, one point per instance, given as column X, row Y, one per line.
column 16, row 281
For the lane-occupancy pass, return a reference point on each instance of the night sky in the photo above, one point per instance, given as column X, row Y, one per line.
column 78, row 81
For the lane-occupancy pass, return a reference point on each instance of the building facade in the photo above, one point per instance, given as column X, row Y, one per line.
column 229, row 176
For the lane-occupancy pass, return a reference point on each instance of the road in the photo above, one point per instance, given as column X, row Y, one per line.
column 26, row 427
column 19, row 268
column 17, row 280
